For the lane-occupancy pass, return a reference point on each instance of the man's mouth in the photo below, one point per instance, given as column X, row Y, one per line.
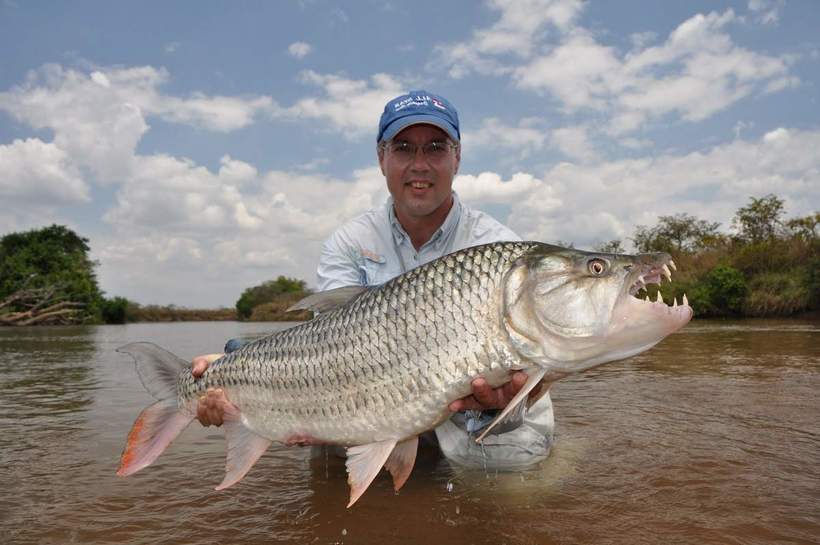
column 420, row 185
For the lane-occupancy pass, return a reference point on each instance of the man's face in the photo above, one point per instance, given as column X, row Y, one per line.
column 420, row 185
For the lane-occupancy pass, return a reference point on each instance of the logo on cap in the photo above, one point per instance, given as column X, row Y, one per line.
column 438, row 104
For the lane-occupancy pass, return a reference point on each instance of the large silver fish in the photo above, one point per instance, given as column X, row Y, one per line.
column 379, row 366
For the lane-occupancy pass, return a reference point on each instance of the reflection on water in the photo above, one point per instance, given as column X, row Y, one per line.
column 711, row 437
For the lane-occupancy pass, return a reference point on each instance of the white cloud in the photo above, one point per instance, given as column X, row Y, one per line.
column 642, row 39
column 349, row 106
column 767, row 12
column 580, row 72
column 517, row 32
column 489, row 188
column 113, row 104
column 606, row 200
column 299, row 50
column 524, row 138
column 573, row 142
column 34, row 171
column 696, row 72
column 99, row 118
column 714, row 73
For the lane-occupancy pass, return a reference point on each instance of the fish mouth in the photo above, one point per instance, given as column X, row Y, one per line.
column 655, row 273
column 637, row 323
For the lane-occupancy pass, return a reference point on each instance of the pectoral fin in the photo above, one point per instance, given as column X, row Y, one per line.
column 244, row 448
column 519, row 399
column 363, row 464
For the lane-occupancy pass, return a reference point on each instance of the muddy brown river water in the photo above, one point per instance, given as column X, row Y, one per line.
column 711, row 437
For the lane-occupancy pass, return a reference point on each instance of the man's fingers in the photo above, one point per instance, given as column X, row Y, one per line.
column 201, row 363
column 457, row 405
column 210, row 408
column 484, row 393
column 486, row 397
column 468, row 403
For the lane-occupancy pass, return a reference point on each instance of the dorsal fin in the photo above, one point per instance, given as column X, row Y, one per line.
column 328, row 300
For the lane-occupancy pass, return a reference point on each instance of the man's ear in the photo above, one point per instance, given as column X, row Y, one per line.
column 380, row 155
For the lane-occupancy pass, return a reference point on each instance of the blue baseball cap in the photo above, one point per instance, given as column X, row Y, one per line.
column 418, row 107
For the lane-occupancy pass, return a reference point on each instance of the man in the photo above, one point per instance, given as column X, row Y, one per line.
column 418, row 147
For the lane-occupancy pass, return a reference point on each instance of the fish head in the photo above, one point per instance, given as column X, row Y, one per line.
column 570, row 310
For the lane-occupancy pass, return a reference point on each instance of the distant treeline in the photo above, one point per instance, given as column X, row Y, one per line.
column 766, row 266
column 120, row 310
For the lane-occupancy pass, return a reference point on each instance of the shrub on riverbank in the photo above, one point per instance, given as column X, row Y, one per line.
column 271, row 291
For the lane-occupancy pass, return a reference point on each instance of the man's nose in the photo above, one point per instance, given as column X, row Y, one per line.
column 419, row 160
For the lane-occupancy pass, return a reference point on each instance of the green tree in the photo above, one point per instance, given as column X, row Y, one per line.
column 760, row 220
column 805, row 227
column 677, row 234
column 610, row 247
column 721, row 292
column 267, row 292
column 53, row 258
column 115, row 310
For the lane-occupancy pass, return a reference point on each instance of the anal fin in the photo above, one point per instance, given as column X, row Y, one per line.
column 363, row 464
column 519, row 399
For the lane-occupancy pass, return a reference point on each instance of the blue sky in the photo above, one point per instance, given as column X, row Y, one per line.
column 204, row 147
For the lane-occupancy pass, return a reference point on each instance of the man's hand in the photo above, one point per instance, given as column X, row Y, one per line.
column 486, row 397
column 211, row 407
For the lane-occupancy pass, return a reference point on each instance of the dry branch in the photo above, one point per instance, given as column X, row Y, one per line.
column 36, row 306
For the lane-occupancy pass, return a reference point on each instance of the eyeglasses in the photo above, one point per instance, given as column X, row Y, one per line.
column 432, row 151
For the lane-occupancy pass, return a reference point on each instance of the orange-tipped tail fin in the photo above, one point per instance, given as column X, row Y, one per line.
column 160, row 423
column 151, row 433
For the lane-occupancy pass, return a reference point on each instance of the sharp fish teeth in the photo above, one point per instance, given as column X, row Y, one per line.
column 667, row 273
column 674, row 302
column 660, row 297
column 647, row 298
column 672, row 265
column 685, row 301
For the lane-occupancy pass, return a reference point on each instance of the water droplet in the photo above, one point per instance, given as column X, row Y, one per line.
column 449, row 487
column 344, row 531
column 458, row 511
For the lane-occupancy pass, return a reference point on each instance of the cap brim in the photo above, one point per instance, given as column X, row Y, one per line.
column 422, row 119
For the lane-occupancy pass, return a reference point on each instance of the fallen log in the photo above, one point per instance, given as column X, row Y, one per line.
column 32, row 306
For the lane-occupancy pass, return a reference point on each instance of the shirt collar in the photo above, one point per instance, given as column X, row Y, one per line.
column 442, row 233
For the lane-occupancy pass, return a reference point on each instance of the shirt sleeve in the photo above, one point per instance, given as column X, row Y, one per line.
column 486, row 229
column 338, row 264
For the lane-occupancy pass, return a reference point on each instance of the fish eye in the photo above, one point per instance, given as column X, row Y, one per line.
column 597, row 266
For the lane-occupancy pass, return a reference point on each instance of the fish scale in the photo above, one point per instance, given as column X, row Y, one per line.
column 322, row 363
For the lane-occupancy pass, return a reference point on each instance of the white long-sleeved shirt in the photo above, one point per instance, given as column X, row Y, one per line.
column 373, row 248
